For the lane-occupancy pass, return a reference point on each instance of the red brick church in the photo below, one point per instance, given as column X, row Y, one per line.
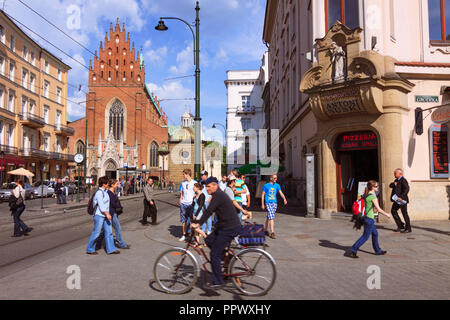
column 126, row 125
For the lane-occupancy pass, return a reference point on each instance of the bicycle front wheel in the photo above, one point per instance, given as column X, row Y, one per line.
column 176, row 271
column 254, row 271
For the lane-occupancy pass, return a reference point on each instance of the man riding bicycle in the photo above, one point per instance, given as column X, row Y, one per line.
column 227, row 227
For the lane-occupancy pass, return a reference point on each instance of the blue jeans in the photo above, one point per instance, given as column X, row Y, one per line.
column 117, row 229
column 217, row 241
column 207, row 226
column 100, row 222
column 18, row 223
column 369, row 229
column 61, row 198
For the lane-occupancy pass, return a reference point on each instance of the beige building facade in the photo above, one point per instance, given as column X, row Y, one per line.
column 33, row 106
column 365, row 67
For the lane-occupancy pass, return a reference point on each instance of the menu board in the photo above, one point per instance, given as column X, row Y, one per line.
column 439, row 151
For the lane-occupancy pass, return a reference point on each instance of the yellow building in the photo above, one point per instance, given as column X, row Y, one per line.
column 33, row 106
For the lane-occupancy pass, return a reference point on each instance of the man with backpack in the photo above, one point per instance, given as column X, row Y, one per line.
column 98, row 206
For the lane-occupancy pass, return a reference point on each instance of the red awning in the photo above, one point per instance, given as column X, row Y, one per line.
column 11, row 161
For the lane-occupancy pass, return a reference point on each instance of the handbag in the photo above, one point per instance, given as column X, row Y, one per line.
column 19, row 201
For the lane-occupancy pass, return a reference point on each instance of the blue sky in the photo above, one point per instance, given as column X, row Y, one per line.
column 230, row 38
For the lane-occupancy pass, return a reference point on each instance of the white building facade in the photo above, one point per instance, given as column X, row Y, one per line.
column 245, row 116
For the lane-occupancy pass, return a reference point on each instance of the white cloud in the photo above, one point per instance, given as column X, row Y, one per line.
column 185, row 60
column 173, row 90
column 76, row 110
column 156, row 56
column 148, row 43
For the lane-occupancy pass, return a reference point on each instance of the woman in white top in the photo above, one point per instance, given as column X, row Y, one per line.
column 17, row 207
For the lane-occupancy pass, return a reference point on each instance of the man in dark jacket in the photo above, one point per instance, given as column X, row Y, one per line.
column 400, row 189
column 60, row 192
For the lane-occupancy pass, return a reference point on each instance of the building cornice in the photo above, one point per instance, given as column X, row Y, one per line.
column 269, row 20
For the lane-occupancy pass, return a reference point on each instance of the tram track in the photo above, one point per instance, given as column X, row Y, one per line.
column 25, row 252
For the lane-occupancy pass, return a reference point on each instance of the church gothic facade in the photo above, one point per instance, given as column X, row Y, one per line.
column 125, row 123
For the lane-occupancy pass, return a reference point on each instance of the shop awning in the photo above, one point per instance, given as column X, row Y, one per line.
column 11, row 161
column 251, row 168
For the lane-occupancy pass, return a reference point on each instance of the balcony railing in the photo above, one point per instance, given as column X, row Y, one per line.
column 246, row 109
column 62, row 156
column 8, row 149
column 32, row 120
column 32, row 152
column 64, row 130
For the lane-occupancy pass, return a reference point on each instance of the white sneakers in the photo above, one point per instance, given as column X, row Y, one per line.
column 183, row 238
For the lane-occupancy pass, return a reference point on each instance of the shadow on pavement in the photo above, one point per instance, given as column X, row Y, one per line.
column 176, row 231
column 445, row 233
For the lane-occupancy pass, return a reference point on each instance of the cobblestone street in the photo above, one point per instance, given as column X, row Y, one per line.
column 309, row 255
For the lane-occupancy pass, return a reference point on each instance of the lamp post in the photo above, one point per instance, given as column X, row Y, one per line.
column 197, row 140
column 163, row 151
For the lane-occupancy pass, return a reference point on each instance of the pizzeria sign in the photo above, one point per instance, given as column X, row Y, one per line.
column 357, row 141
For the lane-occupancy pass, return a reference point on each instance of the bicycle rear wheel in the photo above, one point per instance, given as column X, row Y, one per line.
column 176, row 271
column 256, row 269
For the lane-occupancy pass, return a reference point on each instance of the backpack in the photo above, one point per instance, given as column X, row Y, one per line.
column 359, row 209
column 91, row 208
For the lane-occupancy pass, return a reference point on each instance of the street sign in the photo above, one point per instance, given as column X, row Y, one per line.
column 427, row 99
column 125, row 165
column 441, row 115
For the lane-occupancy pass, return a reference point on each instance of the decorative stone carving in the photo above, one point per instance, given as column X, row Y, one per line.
column 111, row 151
column 362, row 68
column 311, row 79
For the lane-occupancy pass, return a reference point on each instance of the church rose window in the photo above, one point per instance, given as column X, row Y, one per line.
column 116, row 119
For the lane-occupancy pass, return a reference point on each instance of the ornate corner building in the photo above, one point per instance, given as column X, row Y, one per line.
column 125, row 125
column 346, row 80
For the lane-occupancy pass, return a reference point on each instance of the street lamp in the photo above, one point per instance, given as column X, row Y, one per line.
column 163, row 151
column 197, row 140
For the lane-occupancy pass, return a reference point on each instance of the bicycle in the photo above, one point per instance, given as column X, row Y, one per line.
column 176, row 270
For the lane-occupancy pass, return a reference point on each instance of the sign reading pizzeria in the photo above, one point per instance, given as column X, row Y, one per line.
column 342, row 101
column 357, row 141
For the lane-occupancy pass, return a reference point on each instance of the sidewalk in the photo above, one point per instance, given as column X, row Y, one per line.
column 309, row 253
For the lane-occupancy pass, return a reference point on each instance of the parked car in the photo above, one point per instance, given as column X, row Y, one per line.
column 7, row 189
column 44, row 188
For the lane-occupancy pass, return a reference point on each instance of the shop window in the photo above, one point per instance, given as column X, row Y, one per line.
column 345, row 11
column 439, row 20
column 439, row 141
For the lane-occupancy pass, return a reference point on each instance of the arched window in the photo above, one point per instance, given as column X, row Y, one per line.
column 80, row 147
column 116, row 119
column 154, row 157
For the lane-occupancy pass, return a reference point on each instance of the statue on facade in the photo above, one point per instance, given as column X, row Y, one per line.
column 338, row 62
